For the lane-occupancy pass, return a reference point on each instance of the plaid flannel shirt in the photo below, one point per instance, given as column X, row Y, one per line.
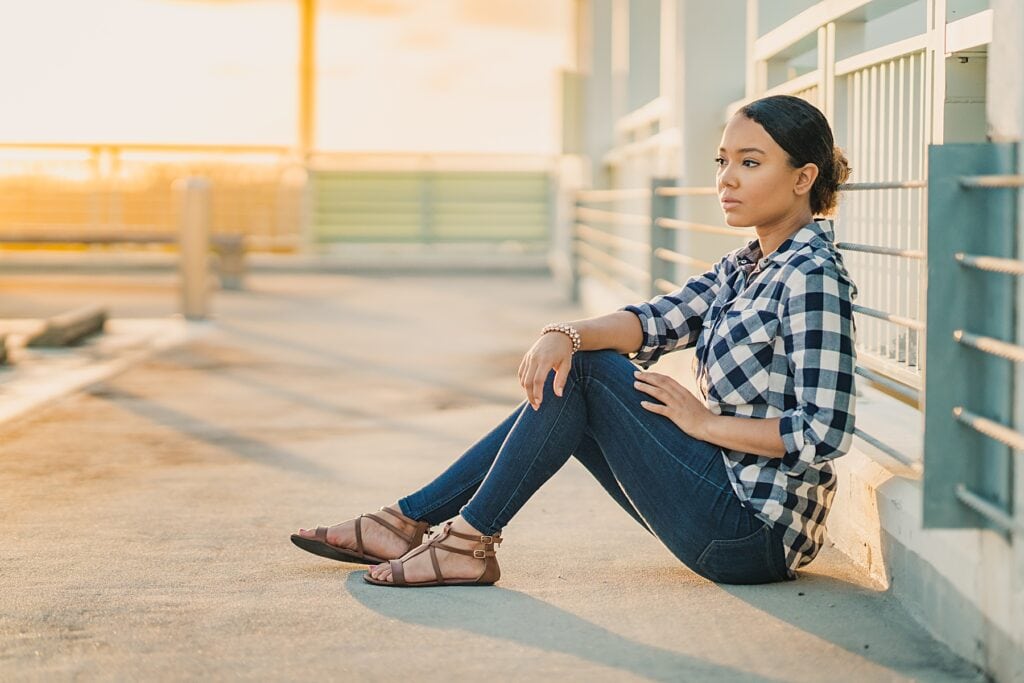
column 779, row 344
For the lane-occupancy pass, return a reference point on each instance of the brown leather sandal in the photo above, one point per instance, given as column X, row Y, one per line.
column 488, row 576
column 318, row 545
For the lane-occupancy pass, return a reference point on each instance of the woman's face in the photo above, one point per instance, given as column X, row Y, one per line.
column 756, row 185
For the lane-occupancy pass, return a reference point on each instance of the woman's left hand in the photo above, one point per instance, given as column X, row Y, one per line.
column 676, row 402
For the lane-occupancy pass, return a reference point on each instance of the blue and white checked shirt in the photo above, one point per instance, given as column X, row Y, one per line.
column 779, row 344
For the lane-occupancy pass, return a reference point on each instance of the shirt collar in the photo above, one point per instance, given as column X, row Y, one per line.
column 821, row 229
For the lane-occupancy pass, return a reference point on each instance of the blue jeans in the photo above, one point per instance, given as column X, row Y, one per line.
column 672, row 484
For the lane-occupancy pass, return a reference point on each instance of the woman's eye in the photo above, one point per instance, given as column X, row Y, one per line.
column 749, row 163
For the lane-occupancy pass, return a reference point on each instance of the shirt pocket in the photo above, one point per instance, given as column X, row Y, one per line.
column 741, row 356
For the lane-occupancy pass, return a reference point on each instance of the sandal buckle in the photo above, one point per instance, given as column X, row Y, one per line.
column 487, row 539
column 480, row 554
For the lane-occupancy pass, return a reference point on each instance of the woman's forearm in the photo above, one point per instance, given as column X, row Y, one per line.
column 619, row 331
column 760, row 436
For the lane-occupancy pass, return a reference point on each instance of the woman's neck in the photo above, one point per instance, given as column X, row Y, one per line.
column 772, row 236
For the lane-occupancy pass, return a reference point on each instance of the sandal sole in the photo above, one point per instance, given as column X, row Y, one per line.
column 422, row 584
column 331, row 552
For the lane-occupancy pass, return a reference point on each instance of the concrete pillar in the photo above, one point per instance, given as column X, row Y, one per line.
column 307, row 77
column 644, row 63
column 193, row 202
column 1005, row 120
column 700, row 100
column 595, row 64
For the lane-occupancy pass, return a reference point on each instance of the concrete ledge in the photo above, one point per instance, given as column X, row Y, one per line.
column 39, row 376
column 954, row 582
column 342, row 258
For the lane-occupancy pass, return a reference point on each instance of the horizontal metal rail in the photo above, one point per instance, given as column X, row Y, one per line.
column 707, row 190
column 996, row 347
column 592, row 253
column 888, row 450
column 676, row 257
column 990, row 428
column 592, row 270
column 894, row 185
column 686, row 191
column 895, row 319
column 666, row 286
column 988, row 182
column 585, row 231
column 909, row 393
column 991, row 263
column 987, row 509
column 676, row 224
column 887, row 251
column 612, row 195
column 616, row 217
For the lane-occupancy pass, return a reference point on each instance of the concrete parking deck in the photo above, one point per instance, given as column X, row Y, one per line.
column 145, row 520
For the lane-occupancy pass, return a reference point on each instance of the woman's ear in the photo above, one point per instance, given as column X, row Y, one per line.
column 805, row 177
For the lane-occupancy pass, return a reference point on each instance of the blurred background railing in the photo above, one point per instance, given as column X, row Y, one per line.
column 67, row 192
column 57, row 193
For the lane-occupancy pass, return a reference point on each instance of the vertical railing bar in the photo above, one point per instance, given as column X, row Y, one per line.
column 874, row 286
column 927, row 69
column 891, row 123
column 902, row 272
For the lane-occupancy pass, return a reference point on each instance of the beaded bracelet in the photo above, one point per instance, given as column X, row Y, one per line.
column 567, row 330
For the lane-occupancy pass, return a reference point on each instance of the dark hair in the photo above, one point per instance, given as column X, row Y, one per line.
column 803, row 132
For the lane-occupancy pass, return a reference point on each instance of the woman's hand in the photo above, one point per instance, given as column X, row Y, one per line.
column 677, row 403
column 552, row 351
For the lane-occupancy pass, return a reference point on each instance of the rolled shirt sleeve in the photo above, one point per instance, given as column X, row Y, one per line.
column 673, row 321
column 818, row 329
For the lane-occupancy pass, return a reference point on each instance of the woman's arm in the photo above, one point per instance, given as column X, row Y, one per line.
column 745, row 434
column 676, row 402
column 619, row 331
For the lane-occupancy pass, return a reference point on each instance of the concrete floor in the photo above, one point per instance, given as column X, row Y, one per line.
column 145, row 521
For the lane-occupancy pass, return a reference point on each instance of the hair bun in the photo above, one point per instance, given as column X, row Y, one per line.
column 840, row 166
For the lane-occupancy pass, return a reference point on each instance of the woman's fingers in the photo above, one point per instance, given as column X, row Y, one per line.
column 561, row 376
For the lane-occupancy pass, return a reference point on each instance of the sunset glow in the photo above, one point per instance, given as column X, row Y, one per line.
column 442, row 75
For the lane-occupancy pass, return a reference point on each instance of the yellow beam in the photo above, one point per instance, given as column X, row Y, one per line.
column 307, row 76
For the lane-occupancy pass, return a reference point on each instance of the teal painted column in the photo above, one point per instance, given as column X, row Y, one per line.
column 973, row 222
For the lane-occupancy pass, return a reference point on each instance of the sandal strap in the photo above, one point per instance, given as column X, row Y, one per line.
column 479, row 554
column 485, row 539
column 438, row 576
column 359, row 535
column 321, row 534
column 387, row 525
column 397, row 572
column 419, row 529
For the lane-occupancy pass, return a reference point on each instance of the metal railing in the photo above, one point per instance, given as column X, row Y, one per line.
column 602, row 254
column 973, row 347
column 66, row 192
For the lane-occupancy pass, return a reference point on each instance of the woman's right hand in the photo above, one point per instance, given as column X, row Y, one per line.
column 553, row 351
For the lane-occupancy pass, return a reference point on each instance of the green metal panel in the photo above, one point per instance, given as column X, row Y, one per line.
column 449, row 206
column 981, row 222
column 661, row 207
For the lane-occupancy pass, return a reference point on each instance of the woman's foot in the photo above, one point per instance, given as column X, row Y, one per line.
column 377, row 539
column 418, row 568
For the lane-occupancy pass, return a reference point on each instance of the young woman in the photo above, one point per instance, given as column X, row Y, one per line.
column 737, row 485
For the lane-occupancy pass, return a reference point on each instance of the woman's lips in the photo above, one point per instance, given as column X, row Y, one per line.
column 729, row 203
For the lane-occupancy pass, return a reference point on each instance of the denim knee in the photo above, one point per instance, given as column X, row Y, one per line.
column 604, row 364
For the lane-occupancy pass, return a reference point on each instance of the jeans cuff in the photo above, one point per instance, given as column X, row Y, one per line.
column 485, row 529
column 407, row 510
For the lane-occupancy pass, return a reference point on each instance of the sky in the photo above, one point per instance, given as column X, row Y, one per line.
column 393, row 75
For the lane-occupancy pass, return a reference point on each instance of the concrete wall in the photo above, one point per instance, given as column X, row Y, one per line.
column 965, row 586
